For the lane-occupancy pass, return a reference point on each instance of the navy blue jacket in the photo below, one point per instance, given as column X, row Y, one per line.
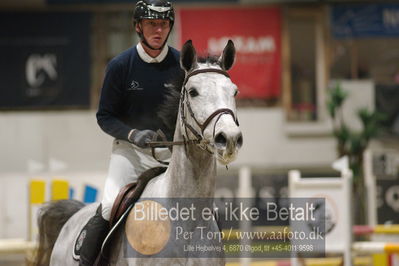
column 133, row 91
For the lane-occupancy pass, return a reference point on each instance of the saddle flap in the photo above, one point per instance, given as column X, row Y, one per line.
column 132, row 192
column 121, row 202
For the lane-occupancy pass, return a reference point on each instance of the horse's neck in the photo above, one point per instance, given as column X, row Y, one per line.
column 192, row 171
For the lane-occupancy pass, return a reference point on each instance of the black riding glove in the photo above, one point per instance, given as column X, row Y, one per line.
column 141, row 138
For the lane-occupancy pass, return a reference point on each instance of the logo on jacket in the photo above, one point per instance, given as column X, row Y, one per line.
column 134, row 86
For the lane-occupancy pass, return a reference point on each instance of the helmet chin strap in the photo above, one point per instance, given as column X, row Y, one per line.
column 142, row 38
column 144, row 41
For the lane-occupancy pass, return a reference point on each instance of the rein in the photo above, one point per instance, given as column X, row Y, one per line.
column 199, row 139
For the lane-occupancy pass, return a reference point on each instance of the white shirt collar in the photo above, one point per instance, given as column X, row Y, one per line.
column 147, row 58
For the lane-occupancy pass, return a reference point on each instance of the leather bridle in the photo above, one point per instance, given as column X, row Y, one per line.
column 199, row 138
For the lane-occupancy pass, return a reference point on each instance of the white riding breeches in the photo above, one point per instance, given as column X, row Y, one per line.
column 127, row 163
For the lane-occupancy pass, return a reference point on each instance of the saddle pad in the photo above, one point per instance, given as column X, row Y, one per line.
column 81, row 236
column 78, row 243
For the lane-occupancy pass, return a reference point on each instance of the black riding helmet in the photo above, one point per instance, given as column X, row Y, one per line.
column 153, row 9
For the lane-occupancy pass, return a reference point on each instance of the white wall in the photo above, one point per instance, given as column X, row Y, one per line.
column 46, row 145
column 69, row 136
column 269, row 144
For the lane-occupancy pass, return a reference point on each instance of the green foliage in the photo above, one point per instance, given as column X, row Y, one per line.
column 342, row 134
column 370, row 122
column 353, row 143
column 331, row 108
column 337, row 97
column 349, row 142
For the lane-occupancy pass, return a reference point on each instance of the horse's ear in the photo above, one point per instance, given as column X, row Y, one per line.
column 226, row 60
column 188, row 57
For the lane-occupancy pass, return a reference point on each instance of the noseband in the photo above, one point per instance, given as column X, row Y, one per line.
column 199, row 139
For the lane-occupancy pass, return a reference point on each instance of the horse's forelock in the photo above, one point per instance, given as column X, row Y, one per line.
column 210, row 59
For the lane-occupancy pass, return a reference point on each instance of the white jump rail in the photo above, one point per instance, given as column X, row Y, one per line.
column 15, row 246
column 375, row 247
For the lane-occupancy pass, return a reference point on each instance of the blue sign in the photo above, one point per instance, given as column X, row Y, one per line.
column 365, row 20
column 90, row 194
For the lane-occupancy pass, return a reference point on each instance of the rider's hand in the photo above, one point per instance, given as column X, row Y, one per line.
column 141, row 137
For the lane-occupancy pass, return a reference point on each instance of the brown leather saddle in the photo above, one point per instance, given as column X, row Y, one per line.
column 129, row 194
column 123, row 203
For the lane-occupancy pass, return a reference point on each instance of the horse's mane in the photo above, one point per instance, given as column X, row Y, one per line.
column 169, row 109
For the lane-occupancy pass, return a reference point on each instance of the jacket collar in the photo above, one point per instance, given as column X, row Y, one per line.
column 147, row 58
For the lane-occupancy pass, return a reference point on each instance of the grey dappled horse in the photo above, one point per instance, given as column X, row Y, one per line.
column 206, row 119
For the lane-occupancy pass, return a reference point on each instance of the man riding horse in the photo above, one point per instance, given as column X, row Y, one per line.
column 133, row 89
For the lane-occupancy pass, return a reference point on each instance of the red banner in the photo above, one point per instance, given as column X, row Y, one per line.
column 256, row 33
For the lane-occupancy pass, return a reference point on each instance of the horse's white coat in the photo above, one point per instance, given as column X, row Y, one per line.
column 191, row 173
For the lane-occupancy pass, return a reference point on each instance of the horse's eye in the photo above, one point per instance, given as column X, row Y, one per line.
column 193, row 92
column 235, row 93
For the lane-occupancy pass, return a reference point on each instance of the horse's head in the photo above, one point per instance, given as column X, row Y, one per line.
column 208, row 110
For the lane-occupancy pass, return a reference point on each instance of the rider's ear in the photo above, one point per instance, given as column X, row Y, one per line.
column 188, row 57
column 226, row 60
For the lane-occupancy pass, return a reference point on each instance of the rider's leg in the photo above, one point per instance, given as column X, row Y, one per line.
column 124, row 168
column 126, row 165
column 97, row 230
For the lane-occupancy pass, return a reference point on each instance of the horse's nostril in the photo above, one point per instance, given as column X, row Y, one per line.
column 239, row 141
column 220, row 139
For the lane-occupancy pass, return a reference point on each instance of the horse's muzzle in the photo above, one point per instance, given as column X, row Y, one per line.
column 227, row 144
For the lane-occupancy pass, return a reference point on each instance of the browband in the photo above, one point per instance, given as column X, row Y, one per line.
column 205, row 70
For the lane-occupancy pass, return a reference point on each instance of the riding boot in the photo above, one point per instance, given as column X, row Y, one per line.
column 97, row 230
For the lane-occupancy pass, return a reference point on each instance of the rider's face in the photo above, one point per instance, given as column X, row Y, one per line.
column 155, row 31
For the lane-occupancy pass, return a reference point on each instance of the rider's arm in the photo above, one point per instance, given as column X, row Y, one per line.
column 110, row 106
